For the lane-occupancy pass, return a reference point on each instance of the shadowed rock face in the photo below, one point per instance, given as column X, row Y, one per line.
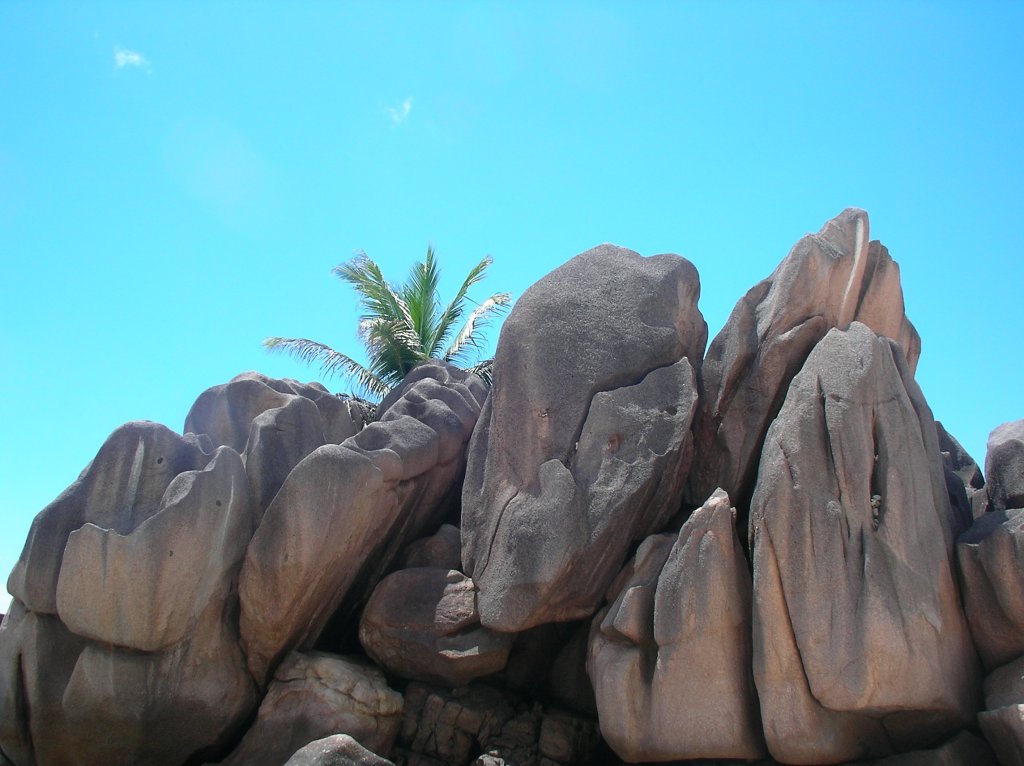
column 829, row 279
column 677, row 638
column 423, row 624
column 584, row 443
column 991, row 559
column 859, row 641
column 346, row 511
column 313, row 695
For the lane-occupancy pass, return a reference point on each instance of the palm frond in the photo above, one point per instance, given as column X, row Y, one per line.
column 454, row 310
column 331, row 362
column 469, row 335
column 420, row 297
column 485, row 370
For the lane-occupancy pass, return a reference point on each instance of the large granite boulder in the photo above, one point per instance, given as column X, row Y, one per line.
column 829, row 279
column 144, row 646
column 314, row 695
column 1004, row 466
column 423, row 624
column 860, row 644
column 677, row 638
column 122, row 487
column 991, row 559
column 1003, row 718
column 583, row 446
column 225, row 413
column 346, row 511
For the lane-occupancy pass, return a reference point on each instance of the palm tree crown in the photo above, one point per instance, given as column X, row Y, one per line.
column 404, row 325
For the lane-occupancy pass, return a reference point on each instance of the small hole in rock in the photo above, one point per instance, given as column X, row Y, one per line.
column 170, row 553
column 218, row 503
column 159, row 460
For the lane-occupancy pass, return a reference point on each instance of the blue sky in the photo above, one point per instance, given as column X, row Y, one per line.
column 177, row 180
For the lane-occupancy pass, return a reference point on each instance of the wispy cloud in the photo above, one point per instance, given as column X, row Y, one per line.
column 401, row 113
column 128, row 58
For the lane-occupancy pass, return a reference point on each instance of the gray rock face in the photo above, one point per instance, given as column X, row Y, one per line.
column 336, row 750
column 443, row 549
column 829, row 279
column 422, row 624
column 314, row 695
column 122, row 487
column 677, row 637
column 991, row 558
column 964, row 749
column 1004, row 729
column 145, row 649
column 584, row 442
column 957, row 460
column 346, row 511
column 1004, row 466
column 447, row 726
column 226, row 412
column 859, row 641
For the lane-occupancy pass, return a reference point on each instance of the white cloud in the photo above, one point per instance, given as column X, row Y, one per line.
column 125, row 58
column 401, row 113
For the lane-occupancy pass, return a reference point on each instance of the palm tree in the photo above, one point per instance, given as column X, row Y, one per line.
column 403, row 326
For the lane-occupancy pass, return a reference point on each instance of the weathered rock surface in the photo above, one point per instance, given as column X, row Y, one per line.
column 423, row 624
column 584, row 443
column 346, row 511
column 447, row 727
column 991, row 559
column 336, row 750
column 146, row 590
column 226, row 412
column 443, row 549
column 1004, row 466
column 122, row 487
column 677, row 638
column 829, row 279
column 314, row 695
column 146, row 646
column 859, row 641
column 1004, row 729
column 964, row 749
column 37, row 656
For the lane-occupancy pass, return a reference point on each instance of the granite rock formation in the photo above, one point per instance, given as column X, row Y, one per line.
column 860, row 644
column 623, row 550
column 583, row 445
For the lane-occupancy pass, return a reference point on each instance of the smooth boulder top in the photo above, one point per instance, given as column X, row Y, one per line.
column 1004, row 466
column 601, row 321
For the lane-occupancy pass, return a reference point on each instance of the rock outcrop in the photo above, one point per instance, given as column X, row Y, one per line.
column 677, row 638
column 314, row 695
column 422, row 624
column 991, row 559
column 583, row 446
column 1004, row 466
column 346, row 511
column 860, row 644
column 828, row 280
column 623, row 550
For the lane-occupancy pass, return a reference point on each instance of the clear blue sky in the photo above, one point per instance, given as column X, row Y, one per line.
column 177, row 180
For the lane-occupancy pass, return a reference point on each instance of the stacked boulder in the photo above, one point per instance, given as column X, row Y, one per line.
column 626, row 550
